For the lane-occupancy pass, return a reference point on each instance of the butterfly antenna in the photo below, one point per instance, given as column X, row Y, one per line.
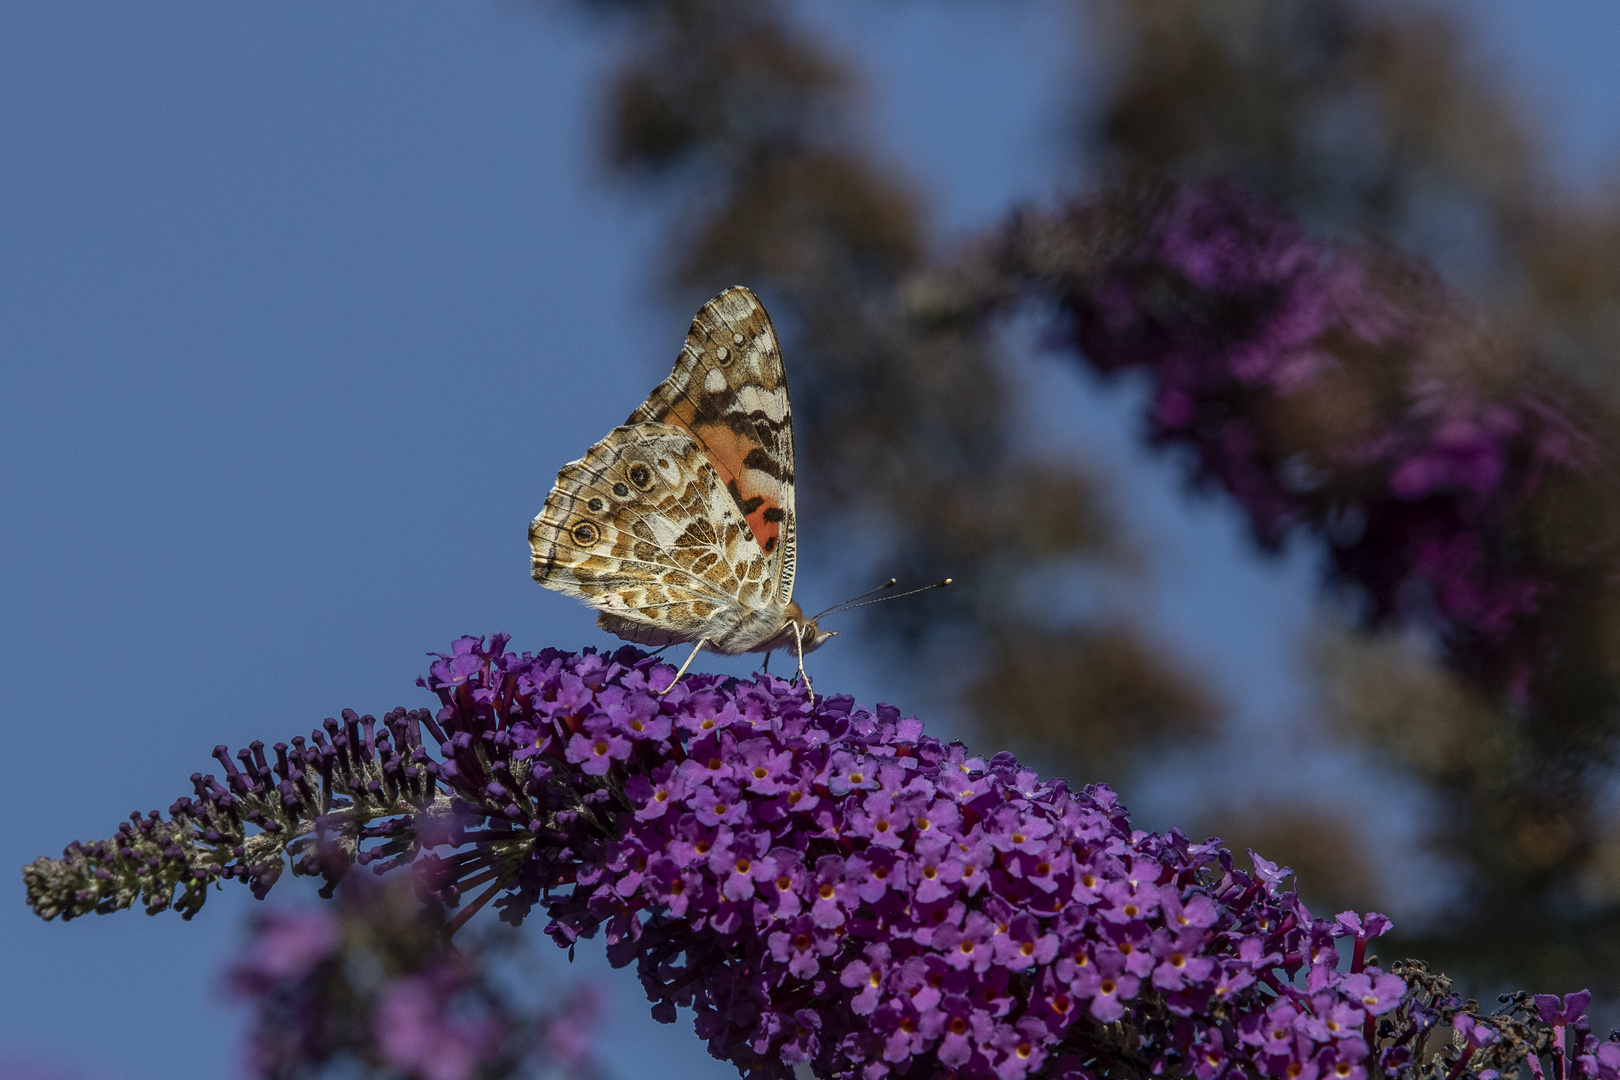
column 843, row 603
column 851, row 605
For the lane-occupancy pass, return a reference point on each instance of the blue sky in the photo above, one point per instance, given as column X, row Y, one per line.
column 302, row 306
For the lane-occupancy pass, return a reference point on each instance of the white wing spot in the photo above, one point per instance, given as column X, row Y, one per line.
column 715, row 380
column 736, row 339
column 773, row 403
column 722, row 353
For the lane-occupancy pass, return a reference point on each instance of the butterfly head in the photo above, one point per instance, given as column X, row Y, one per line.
column 811, row 636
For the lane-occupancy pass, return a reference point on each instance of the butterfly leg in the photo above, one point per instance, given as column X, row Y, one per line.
column 766, row 666
column 798, row 639
column 695, row 649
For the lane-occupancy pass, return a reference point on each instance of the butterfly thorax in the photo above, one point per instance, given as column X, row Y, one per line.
column 772, row 628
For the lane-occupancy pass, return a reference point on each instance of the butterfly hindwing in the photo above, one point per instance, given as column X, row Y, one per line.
column 644, row 529
column 729, row 391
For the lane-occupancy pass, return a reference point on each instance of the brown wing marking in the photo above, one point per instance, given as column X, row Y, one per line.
column 729, row 390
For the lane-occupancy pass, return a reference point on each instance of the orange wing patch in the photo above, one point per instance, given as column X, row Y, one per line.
column 738, row 459
column 729, row 391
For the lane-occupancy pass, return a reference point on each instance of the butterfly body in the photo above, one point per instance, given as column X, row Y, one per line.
column 679, row 525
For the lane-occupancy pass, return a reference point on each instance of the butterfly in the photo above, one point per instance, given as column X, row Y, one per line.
column 679, row 525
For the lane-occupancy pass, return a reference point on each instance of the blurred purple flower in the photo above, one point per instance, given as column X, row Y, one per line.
column 285, row 945
column 419, row 1033
column 1417, row 473
column 369, row 988
column 571, row 1030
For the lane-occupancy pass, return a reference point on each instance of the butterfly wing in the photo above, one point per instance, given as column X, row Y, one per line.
column 729, row 391
column 643, row 529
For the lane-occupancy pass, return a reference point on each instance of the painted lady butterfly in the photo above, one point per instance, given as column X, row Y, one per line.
column 679, row 525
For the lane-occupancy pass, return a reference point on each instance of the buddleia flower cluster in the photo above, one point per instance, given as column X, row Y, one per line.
column 1327, row 386
column 820, row 884
column 369, row 987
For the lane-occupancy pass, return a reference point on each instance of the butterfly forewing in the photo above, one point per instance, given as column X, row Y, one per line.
column 729, row 391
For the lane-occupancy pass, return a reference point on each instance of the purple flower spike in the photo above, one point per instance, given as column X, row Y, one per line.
column 1250, row 330
column 818, row 883
column 929, row 910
